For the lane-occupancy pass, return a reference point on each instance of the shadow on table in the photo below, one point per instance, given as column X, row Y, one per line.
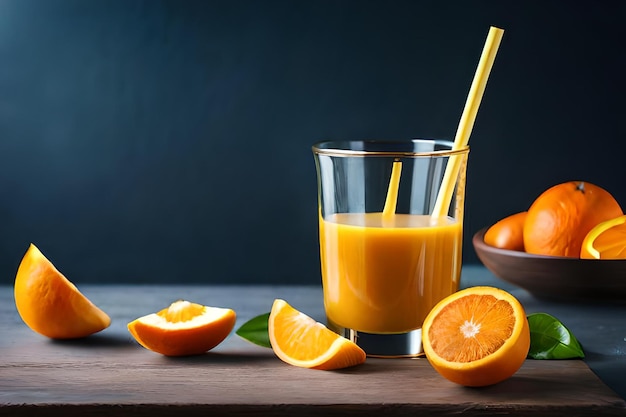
column 97, row 340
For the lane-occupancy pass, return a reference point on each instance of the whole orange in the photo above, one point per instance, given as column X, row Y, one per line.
column 507, row 233
column 560, row 218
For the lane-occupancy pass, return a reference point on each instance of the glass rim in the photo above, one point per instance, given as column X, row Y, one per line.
column 396, row 148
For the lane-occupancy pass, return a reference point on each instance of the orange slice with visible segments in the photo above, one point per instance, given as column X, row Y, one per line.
column 183, row 329
column 606, row 240
column 50, row 304
column 477, row 336
column 299, row 340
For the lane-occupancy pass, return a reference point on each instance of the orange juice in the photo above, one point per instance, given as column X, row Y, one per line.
column 383, row 275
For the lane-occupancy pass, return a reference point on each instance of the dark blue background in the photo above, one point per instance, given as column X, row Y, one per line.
column 169, row 141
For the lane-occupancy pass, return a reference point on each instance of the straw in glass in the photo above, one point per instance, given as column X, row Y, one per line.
column 468, row 117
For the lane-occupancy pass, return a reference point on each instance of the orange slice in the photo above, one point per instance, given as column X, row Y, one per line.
column 183, row 328
column 299, row 340
column 50, row 304
column 477, row 336
column 606, row 240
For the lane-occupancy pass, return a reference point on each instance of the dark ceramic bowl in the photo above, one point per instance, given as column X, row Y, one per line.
column 555, row 277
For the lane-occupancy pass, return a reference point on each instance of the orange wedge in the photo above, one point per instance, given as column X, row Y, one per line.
column 299, row 340
column 183, row 328
column 606, row 240
column 50, row 304
column 477, row 337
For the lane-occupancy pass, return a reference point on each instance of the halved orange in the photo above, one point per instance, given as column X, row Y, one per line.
column 607, row 240
column 183, row 329
column 477, row 336
column 299, row 340
column 50, row 304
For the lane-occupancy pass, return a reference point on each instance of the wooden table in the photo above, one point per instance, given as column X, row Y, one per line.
column 108, row 374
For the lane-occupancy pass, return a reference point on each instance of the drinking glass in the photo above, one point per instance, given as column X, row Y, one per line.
column 389, row 249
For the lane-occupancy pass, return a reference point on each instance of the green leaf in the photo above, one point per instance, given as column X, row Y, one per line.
column 550, row 339
column 255, row 330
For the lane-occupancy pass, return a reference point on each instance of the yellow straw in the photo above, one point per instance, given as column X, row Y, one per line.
column 468, row 117
column 392, row 191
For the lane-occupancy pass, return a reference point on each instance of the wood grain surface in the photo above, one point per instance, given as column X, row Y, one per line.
column 109, row 374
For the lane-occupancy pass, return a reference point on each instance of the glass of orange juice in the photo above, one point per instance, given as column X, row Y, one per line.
column 386, row 257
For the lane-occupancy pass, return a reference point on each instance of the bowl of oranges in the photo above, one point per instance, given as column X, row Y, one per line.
column 569, row 244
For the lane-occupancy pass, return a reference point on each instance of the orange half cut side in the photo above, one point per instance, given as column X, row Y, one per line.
column 606, row 240
column 477, row 336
